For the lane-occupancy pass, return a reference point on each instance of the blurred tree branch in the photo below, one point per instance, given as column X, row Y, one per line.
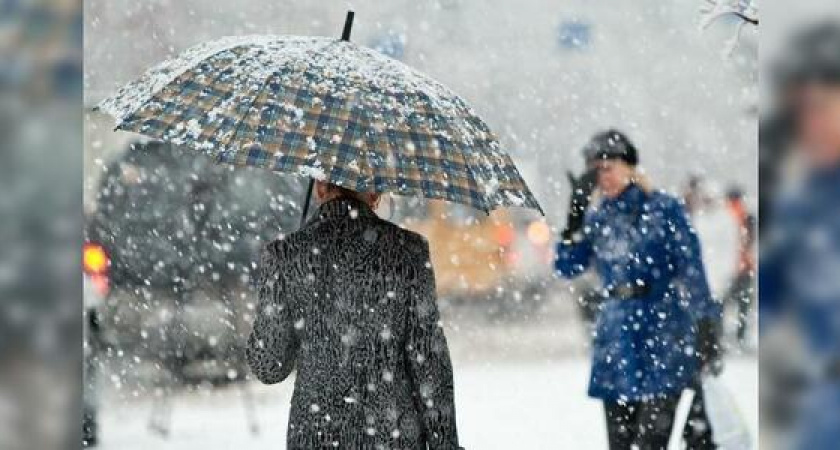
column 745, row 10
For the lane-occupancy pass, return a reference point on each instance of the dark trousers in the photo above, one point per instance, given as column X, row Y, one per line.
column 647, row 425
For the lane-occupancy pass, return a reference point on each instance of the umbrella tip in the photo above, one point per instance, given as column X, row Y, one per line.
column 348, row 26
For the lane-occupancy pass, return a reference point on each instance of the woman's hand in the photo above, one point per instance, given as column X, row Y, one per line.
column 582, row 188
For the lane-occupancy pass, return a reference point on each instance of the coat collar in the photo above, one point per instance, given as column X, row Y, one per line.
column 344, row 207
column 629, row 200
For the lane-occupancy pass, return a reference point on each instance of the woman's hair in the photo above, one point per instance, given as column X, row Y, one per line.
column 343, row 191
column 638, row 178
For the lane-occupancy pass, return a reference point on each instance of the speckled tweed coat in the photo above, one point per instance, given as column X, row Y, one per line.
column 349, row 301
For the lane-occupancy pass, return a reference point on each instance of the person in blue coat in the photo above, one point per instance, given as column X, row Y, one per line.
column 800, row 252
column 657, row 328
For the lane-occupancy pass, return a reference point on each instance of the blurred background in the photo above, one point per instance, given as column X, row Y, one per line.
column 170, row 246
column 40, row 203
column 799, row 167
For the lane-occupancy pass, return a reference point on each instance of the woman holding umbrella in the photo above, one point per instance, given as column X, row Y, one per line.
column 349, row 300
column 656, row 330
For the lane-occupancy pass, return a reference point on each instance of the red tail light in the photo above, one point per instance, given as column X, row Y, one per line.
column 504, row 235
column 95, row 261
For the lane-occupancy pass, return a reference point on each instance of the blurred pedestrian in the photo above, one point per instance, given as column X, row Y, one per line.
column 658, row 326
column 800, row 255
column 741, row 292
column 694, row 195
column 716, row 228
column 349, row 301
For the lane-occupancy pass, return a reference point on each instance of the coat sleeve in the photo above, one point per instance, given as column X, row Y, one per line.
column 684, row 246
column 272, row 346
column 429, row 364
column 573, row 256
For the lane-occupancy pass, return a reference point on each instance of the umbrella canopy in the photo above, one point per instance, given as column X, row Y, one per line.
column 327, row 109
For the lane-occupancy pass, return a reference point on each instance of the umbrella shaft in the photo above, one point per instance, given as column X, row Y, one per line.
column 305, row 211
column 348, row 25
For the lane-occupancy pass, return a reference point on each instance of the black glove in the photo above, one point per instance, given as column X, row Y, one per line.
column 582, row 188
column 708, row 346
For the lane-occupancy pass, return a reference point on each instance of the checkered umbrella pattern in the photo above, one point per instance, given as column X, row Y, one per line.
column 324, row 108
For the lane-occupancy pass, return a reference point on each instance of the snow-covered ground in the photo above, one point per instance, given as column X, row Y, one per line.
column 501, row 405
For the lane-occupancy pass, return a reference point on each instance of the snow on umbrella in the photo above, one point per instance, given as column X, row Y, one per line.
column 327, row 109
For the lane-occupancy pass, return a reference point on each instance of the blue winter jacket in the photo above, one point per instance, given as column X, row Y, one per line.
column 644, row 345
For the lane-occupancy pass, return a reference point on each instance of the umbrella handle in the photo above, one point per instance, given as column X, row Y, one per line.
column 348, row 26
column 306, row 202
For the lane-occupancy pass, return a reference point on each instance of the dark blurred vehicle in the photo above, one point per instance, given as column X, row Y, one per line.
column 171, row 246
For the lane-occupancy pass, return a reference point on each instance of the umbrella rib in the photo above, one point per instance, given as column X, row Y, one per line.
column 142, row 105
column 485, row 204
column 219, row 99
column 173, row 77
column 259, row 91
column 262, row 87
column 246, row 113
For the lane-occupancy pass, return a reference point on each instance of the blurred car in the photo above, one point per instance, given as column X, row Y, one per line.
column 173, row 242
column 501, row 259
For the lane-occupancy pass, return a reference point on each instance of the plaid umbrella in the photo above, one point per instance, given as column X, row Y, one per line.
column 327, row 109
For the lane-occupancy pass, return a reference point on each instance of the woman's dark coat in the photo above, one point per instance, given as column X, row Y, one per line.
column 349, row 301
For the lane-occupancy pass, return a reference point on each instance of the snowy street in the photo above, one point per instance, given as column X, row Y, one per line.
column 518, row 385
column 521, row 405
